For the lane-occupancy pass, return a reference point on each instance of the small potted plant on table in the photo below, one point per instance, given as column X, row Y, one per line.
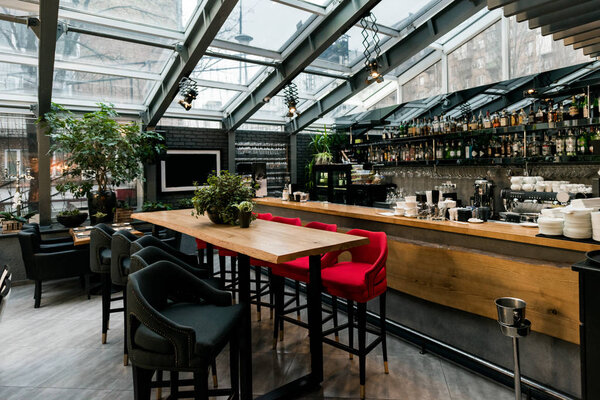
column 71, row 217
column 245, row 213
column 220, row 196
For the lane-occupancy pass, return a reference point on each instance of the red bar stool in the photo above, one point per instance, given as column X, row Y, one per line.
column 359, row 280
column 298, row 270
column 261, row 289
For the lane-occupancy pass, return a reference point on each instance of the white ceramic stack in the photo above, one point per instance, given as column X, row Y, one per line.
column 578, row 223
column 410, row 209
column 555, row 212
column 550, row 226
column 596, row 226
column 399, row 209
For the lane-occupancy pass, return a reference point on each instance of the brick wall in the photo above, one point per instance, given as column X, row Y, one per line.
column 303, row 156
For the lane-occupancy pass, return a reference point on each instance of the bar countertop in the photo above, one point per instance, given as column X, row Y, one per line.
column 492, row 230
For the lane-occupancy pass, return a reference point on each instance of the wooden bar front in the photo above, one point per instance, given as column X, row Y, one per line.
column 466, row 267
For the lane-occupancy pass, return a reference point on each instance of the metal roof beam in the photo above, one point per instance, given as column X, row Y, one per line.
column 205, row 29
column 542, row 7
column 421, row 37
column 333, row 26
column 453, row 100
column 585, row 28
column 570, row 12
column 522, row 6
column 593, row 49
column 582, row 37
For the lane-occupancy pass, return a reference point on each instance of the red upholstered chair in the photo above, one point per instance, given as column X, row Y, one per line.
column 359, row 280
column 297, row 270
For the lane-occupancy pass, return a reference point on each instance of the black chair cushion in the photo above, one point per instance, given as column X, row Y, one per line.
column 105, row 255
column 209, row 322
column 126, row 265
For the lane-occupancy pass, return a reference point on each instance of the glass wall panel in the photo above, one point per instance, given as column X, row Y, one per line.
column 428, row 83
column 99, row 87
column 96, row 50
column 264, row 24
column 17, row 38
column 530, row 52
column 169, row 14
column 477, row 62
column 18, row 79
column 393, row 12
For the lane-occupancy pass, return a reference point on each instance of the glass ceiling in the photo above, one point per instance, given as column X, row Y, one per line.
column 129, row 67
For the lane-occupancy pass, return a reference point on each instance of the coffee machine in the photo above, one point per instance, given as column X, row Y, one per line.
column 484, row 194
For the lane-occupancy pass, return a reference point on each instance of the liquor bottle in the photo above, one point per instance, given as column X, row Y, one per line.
column 473, row 125
column 539, row 115
column 502, row 143
column 508, row 147
column 465, row 124
column 497, row 148
column 504, row 118
column 522, row 117
column 573, row 109
column 561, row 113
column 514, row 118
column 586, row 107
column 480, row 121
column 487, row 121
column 570, row 144
column 458, row 152
column 594, row 138
column 582, row 142
column 446, row 150
column 516, row 147
column 546, row 147
column 428, row 152
column 436, row 125
column 469, row 150
column 439, row 151
column 495, row 120
column 559, row 144
column 594, row 112
column 531, row 116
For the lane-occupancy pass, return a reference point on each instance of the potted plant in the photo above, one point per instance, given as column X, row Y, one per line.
column 150, row 206
column 219, row 197
column 245, row 213
column 101, row 151
column 13, row 221
column 71, row 217
column 123, row 211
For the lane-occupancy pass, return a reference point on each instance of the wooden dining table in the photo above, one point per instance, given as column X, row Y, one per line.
column 275, row 243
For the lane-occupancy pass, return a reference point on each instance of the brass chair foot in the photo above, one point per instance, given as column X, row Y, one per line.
column 385, row 367
column 215, row 381
column 104, row 338
column 258, row 315
column 337, row 338
column 298, row 317
column 158, row 393
column 125, row 360
column 362, row 391
column 351, row 356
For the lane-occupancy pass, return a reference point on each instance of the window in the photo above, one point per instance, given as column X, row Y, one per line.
column 428, row 83
column 12, row 162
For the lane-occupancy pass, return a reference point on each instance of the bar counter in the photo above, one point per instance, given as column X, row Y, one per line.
column 449, row 273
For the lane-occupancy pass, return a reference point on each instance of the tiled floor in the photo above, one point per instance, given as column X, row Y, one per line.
column 54, row 352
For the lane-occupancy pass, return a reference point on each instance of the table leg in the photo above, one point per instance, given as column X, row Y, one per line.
column 315, row 327
column 246, row 331
column 210, row 259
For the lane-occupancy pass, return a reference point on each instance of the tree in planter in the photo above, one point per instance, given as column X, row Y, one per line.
column 70, row 216
column 99, row 150
column 323, row 147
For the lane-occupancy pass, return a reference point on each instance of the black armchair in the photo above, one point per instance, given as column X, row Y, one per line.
column 49, row 265
column 178, row 337
column 149, row 255
column 49, row 244
column 119, row 270
column 147, row 241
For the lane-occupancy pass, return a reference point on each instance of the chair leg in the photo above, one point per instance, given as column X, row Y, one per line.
column 271, row 297
column 200, row 385
column 234, row 367
column 88, row 286
column 382, row 313
column 222, row 270
column 159, row 378
column 277, row 286
column 200, row 257
column 106, row 287
column 141, row 383
column 233, row 278
column 334, row 311
column 37, row 294
column 257, row 275
column 350, row 326
column 297, row 294
column 125, row 354
column 213, row 368
column 362, row 338
column 174, row 378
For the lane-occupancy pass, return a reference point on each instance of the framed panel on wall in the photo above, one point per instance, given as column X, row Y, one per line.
column 179, row 169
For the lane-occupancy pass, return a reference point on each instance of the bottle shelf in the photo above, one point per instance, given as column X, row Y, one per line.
column 545, row 126
column 538, row 160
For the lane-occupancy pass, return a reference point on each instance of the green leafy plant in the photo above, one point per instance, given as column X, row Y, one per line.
column 13, row 216
column 100, row 215
column 98, row 149
column 70, row 213
column 220, row 196
column 185, row 203
column 155, row 206
column 322, row 147
column 245, row 206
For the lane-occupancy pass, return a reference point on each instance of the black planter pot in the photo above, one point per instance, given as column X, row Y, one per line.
column 105, row 203
column 244, row 218
column 71, row 221
column 214, row 216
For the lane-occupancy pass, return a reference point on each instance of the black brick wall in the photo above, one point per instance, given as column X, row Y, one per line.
column 303, row 155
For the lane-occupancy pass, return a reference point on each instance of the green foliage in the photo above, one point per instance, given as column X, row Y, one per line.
column 221, row 194
column 13, row 216
column 99, row 215
column 185, row 203
column 156, row 206
column 322, row 147
column 70, row 213
column 77, row 189
column 98, row 148
column 245, row 206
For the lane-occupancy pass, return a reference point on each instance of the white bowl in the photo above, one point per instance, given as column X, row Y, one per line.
column 539, row 178
column 530, row 179
column 577, row 233
column 528, row 187
column 516, row 180
column 515, row 187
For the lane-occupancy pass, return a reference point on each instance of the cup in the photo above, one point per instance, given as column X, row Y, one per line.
column 528, row 187
column 411, row 199
column 515, row 186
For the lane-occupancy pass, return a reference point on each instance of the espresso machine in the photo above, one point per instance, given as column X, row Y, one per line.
column 521, row 206
column 484, row 194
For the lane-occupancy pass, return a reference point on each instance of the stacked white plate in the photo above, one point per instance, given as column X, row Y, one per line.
column 596, row 226
column 555, row 212
column 550, row 226
column 578, row 223
column 410, row 208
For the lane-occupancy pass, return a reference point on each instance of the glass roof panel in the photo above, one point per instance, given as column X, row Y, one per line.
column 212, row 99
column 224, row 70
column 322, row 3
column 99, row 87
column 18, row 79
column 166, row 14
column 392, row 12
column 346, row 49
column 263, row 24
column 309, row 84
column 94, row 50
column 17, row 38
